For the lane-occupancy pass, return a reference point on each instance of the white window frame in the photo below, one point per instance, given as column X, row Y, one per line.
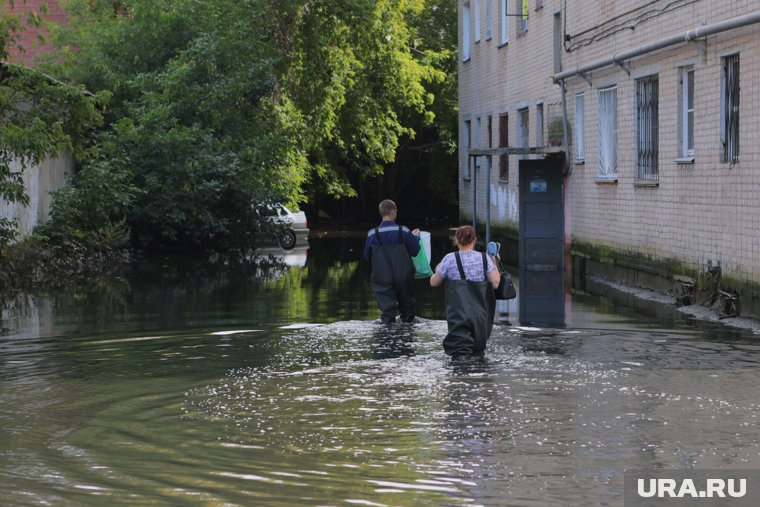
column 727, row 110
column 476, row 19
column 686, row 113
column 607, row 168
column 465, row 31
column 489, row 19
column 580, row 128
column 539, row 124
column 647, row 127
column 467, row 141
column 504, row 25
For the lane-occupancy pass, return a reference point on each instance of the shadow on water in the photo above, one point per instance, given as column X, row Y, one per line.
column 271, row 383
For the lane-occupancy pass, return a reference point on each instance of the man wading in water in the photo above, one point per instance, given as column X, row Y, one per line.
column 471, row 278
column 390, row 248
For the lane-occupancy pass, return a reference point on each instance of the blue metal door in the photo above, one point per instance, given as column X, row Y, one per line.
column 542, row 246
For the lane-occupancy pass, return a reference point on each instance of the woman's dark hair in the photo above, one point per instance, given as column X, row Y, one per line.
column 466, row 235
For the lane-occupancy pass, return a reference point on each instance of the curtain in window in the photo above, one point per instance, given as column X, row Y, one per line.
column 580, row 134
column 607, row 130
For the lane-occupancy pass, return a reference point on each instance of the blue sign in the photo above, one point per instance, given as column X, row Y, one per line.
column 538, row 185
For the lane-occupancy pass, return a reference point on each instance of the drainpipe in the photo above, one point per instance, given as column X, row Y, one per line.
column 688, row 36
column 565, row 128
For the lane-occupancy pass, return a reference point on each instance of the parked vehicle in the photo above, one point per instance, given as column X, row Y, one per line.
column 296, row 227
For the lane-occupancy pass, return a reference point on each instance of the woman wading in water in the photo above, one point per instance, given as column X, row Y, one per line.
column 471, row 278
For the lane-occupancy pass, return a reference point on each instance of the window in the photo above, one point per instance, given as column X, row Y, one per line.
column 476, row 15
column 647, row 126
column 729, row 108
column 490, row 131
column 522, row 24
column 467, row 143
column 478, row 160
column 522, row 129
column 540, row 124
column 686, row 112
column 503, row 143
column 504, row 37
column 489, row 19
column 466, row 31
column 607, row 131
column 580, row 131
column 558, row 43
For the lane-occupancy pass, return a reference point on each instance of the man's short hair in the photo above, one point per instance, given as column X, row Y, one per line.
column 386, row 207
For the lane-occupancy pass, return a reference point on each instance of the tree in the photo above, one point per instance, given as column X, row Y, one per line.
column 217, row 104
column 195, row 119
column 361, row 77
column 41, row 117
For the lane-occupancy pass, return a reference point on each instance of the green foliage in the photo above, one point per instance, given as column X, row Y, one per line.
column 41, row 117
column 193, row 121
column 361, row 78
column 218, row 105
column 93, row 210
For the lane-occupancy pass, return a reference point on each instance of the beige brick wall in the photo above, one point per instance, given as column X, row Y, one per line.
column 703, row 211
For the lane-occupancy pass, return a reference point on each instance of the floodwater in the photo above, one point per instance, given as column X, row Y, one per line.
column 270, row 384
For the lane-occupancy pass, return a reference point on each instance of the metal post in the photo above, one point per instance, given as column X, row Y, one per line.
column 488, row 198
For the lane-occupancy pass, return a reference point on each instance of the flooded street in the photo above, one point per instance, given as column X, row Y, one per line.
column 271, row 384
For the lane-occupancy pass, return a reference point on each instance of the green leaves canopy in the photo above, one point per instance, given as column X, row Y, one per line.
column 40, row 116
column 220, row 103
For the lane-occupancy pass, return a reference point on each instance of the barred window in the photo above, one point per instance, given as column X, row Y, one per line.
column 647, row 124
column 467, row 173
column 607, row 132
column 730, row 109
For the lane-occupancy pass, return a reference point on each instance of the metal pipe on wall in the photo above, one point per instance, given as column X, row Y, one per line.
column 688, row 36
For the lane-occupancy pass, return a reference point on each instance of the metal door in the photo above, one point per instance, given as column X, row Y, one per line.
column 542, row 246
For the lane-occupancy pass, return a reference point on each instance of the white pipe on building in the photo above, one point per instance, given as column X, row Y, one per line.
column 688, row 36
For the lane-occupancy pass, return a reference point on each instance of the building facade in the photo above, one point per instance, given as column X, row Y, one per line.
column 662, row 184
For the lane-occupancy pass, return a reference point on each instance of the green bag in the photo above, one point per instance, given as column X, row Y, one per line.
column 422, row 263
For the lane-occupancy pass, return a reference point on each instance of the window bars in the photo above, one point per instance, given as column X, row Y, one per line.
column 730, row 126
column 647, row 138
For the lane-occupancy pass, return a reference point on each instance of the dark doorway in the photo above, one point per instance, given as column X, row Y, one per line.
column 542, row 230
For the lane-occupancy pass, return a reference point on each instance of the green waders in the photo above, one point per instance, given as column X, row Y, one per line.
column 393, row 279
column 470, row 310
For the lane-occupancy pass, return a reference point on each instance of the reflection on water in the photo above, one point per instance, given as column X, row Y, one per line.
column 268, row 384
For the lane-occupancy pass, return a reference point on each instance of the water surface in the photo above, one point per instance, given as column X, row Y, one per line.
column 271, row 384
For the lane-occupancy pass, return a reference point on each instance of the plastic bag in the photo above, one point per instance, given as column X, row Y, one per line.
column 422, row 259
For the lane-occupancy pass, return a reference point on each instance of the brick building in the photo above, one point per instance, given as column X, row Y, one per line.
column 29, row 38
column 662, row 184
